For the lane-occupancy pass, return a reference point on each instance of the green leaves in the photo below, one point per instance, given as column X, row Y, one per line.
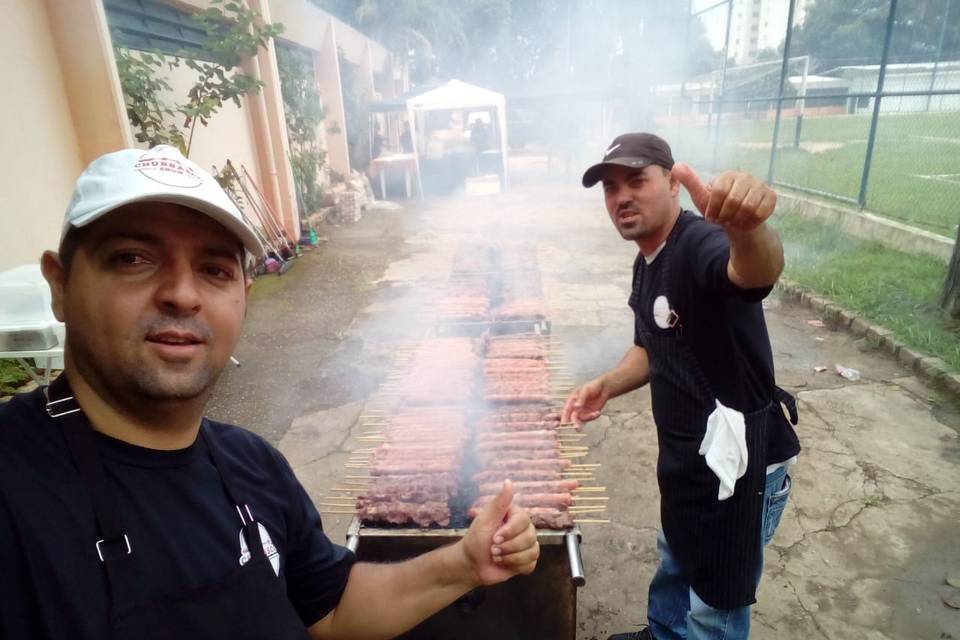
column 146, row 109
column 234, row 33
column 12, row 376
column 851, row 31
column 303, row 113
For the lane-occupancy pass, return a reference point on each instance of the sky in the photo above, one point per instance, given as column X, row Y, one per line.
column 714, row 21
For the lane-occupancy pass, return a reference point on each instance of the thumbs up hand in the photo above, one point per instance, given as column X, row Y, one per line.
column 738, row 201
column 501, row 542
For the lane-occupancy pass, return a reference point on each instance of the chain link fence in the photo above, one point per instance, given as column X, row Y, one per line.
column 879, row 132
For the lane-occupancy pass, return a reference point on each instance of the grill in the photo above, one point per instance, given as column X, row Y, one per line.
column 473, row 402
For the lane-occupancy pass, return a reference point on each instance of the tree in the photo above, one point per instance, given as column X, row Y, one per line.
column 356, row 98
column 516, row 44
column 950, row 298
column 303, row 113
column 436, row 36
column 845, row 32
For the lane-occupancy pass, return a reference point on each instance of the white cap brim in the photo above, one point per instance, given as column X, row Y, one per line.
column 251, row 243
column 161, row 174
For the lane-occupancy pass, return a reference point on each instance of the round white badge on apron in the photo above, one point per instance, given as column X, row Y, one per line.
column 661, row 312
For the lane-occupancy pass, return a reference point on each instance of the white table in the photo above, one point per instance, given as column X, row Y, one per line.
column 405, row 161
column 45, row 355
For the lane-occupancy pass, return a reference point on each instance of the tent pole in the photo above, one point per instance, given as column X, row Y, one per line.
column 416, row 151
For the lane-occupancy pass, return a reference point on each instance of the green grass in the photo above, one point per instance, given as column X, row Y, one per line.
column 12, row 376
column 907, row 146
column 894, row 289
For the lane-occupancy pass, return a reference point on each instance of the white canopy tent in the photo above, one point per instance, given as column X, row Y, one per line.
column 453, row 95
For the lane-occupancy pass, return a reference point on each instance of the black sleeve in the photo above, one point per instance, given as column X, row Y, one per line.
column 317, row 569
column 708, row 253
column 634, row 301
column 637, row 339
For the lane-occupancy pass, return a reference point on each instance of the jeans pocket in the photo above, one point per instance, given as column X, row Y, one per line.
column 775, row 506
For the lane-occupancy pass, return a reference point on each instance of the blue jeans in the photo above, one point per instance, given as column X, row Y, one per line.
column 675, row 612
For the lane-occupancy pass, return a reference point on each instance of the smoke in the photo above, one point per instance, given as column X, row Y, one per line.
column 580, row 72
column 574, row 73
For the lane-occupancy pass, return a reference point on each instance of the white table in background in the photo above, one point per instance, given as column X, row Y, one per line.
column 407, row 161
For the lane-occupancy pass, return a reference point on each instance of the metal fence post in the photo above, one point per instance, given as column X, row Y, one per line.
column 936, row 61
column 802, row 102
column 877, row 98
column 685, row 61
column 723, row 85
column 783, row 77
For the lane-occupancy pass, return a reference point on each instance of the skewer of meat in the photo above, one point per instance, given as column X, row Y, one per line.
column 416, row 469
column 555, row 500
column 512, row 436
column 540, row 411
column 423, row 515
column 418, row 496
column 425, row 448
column 400, row 458
column 487, row 458
column 518, row 475
column 514, row 427
column 424, row 482
column 525, row 397
column 526, row 464
column 413, row 433
column 547, row 518
column 543, row 486
column 544, row 448
column 514, row 364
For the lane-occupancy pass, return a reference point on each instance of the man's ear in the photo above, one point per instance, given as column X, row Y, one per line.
column 56, row 276
column 247, row 284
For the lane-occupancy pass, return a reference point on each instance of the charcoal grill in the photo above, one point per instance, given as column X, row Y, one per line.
column 540, row 606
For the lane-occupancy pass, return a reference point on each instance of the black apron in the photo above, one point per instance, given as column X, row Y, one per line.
column 249, row 604
column 717, row 543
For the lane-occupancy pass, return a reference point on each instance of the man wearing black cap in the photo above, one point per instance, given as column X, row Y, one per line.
column 701, row 342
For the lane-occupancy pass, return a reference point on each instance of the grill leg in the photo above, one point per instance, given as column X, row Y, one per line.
column 572, row 541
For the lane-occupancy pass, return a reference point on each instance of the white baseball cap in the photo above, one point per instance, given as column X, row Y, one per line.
column 161, row 174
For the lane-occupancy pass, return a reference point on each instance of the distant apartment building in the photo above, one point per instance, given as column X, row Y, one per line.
column 756, row 25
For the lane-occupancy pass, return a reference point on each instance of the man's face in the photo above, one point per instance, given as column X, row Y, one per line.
column 153, row 303
column 639, row 201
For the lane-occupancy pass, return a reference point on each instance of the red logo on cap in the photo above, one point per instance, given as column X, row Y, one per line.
column 168, row 171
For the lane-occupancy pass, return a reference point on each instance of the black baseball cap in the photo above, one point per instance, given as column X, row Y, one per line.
column 633, row 150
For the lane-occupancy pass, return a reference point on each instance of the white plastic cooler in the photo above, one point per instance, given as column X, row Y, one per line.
column 28, row 329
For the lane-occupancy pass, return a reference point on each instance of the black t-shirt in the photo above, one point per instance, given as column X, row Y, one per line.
column 723, row 323
column 182, row 526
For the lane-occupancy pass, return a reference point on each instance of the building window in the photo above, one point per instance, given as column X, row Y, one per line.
column 148, row 25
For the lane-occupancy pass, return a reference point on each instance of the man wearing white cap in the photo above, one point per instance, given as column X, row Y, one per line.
column 124, row 513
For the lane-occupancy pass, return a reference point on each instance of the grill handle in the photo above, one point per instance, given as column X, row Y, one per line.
column 353, row 541
column 572, row 542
